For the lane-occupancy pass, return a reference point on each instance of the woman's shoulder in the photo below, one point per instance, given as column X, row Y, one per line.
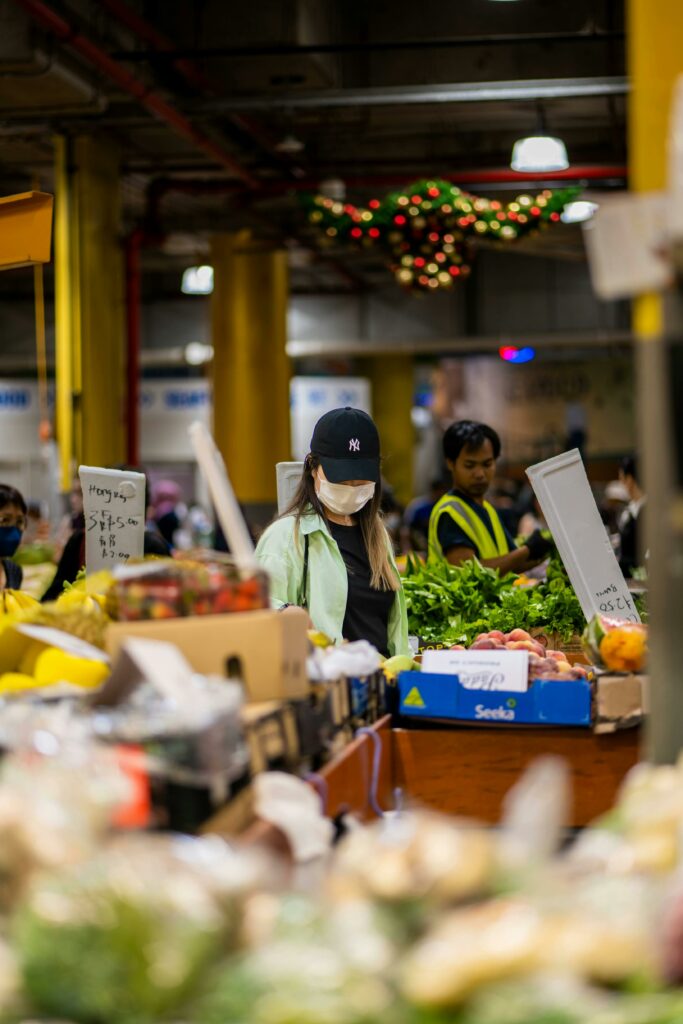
column 280, row 531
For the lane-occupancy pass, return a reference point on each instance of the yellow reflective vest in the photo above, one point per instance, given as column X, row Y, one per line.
column 471, row 525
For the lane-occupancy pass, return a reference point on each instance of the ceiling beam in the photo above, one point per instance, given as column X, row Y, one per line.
column 372, row 45
column 299, row 349
column 529, row 90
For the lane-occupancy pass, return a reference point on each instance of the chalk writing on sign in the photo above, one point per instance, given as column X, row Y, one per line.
column 114, row 510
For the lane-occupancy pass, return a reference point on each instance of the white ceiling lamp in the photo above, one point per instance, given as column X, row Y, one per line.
column 197, row 281
column 197, row 353
column 290, row 145
column 539, row 153
column 578, row 212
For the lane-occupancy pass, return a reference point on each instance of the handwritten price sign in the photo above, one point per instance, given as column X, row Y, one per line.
column 114, row 509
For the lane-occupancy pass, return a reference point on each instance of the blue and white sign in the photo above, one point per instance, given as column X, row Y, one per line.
column 311, row 397
column 167, row 408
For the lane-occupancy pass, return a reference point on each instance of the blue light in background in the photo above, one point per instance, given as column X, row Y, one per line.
column 512, row 354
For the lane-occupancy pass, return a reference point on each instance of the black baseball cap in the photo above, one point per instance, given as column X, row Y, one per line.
column 347, row 443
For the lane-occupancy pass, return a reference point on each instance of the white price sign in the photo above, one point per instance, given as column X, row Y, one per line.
column 568, row 504
column 482, row 670
column 114, row 509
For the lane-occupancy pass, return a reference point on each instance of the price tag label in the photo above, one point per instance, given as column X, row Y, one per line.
column 114, row 510
column 569, row 507
column 482, row 670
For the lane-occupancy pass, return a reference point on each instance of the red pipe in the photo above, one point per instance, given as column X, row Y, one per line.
column 133, row 244
column 191, row 73
column 151, row 100
column 132, row 20
column 159, row 187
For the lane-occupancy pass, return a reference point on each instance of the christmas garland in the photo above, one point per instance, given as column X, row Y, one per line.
column 424, row 230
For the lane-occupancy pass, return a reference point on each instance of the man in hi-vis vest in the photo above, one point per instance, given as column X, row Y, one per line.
column 463, row 525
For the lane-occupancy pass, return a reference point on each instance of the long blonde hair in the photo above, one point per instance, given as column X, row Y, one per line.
column 383, row 576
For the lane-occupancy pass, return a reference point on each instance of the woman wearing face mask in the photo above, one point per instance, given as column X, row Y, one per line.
column 12, row 525
column 330, row 552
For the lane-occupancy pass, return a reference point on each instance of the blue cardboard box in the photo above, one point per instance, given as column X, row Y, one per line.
column 546, row 702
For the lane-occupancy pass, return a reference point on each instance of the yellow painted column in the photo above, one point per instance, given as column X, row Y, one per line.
column 89, row 304
column 101, row 308
column 655, row 59
column 66, row 338
column 392, row 383
column 250, row 370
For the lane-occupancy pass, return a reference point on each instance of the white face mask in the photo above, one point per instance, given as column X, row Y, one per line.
column 344, row 499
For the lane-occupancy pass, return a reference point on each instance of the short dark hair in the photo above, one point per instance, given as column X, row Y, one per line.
column 11, row 496
column 468, row 434
column 629, row 467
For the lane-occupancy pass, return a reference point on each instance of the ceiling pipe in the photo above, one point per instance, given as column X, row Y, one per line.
column 160, row 187
column 375, row 46
column 526, row 90
column 193, row 75
column 50, row 20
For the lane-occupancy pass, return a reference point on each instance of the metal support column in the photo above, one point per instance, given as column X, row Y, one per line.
column 250, row 370
column 655, row 60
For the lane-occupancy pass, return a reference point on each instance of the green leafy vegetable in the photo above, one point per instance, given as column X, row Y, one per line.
column 452, row 604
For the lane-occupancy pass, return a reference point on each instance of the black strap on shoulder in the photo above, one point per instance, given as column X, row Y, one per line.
column 304, row 579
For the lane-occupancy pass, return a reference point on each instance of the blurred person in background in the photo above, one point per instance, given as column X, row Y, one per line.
column 73, row 520
column 463, row 524
column 630, row 521
column 73, row 555
column 165, row 509
column 415, row 533
column 615, row 498
column 13, row 518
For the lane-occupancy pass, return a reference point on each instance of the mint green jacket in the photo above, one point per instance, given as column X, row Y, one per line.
column 281, row 552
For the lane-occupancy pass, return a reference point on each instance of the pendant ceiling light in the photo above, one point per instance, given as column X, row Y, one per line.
column 539, row 153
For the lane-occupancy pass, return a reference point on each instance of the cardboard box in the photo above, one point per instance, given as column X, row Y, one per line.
column 620, row 702
column 546, row 702
column 271, row 647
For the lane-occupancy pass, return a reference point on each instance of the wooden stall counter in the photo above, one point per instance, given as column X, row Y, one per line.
column 464, row 771
column 468, row 770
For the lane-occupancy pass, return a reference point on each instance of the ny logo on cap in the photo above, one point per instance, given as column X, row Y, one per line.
column 354, row 445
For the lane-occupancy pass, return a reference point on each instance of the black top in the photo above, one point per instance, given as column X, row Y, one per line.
column 14, row 574
column 367, row 610
column 451, row 536
column 630, row 533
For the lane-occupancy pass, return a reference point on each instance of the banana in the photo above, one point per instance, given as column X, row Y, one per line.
column 17, row 601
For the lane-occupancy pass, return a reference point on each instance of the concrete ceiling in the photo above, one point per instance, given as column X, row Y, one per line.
column 353, row 81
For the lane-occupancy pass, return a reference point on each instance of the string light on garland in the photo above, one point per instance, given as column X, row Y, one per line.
column 425, row 230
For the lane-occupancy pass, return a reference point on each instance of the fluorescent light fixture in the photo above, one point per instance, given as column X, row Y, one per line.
column 578, row 212
column 197, row 281
column 197, row 353
column 539, row 153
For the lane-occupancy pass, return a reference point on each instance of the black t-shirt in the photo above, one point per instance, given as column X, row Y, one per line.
column 14, row 574
column 367, row 610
